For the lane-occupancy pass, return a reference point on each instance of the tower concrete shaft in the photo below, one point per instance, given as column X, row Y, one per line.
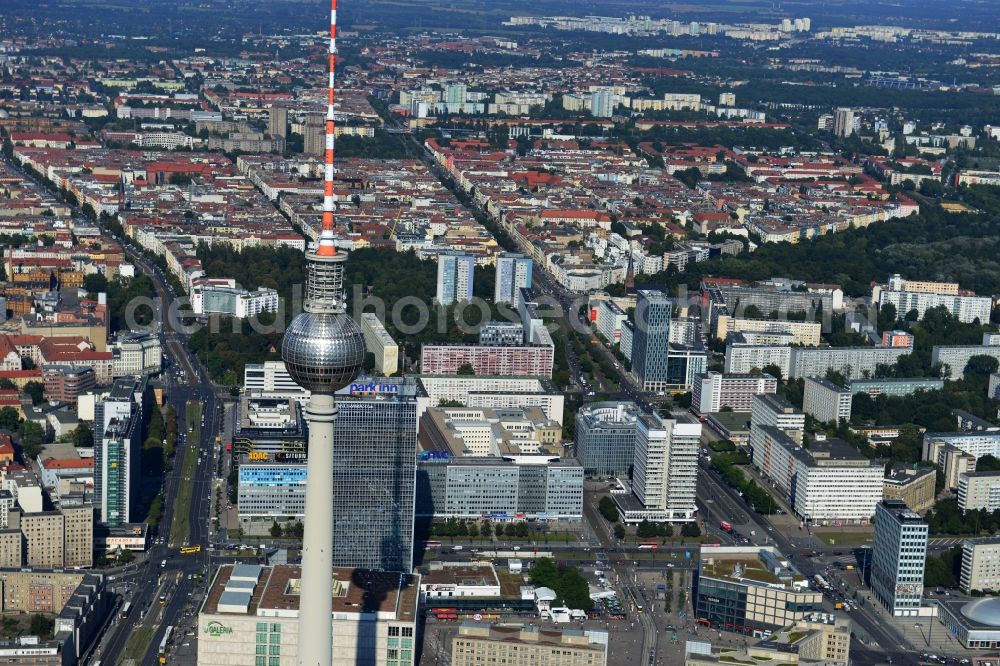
column 316, row 595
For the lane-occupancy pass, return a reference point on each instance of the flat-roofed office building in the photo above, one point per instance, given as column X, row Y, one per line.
column 484, row 645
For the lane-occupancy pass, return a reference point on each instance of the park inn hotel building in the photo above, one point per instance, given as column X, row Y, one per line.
column 250, row 617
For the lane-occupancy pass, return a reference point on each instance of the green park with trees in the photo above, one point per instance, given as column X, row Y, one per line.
column 934, row 245
column 567, row 582
column 376, row 280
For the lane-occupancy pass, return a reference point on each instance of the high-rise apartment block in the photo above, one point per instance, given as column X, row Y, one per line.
column 979, row 490
column 898, row 558
column 313, row 136
column 513, row 273
column 49, row 539
column 797, row 332
column 277, row 122
column 380, row 344
column 455, row 93
column 610, row 318
column 774, row 410
column 852, row 362
column 898, row 386
column 522, row 360
column 953, row 359
column 843, row 122
column 743, row 358
column 825, row 401
column 664, row 469
column 957, row 452
column 714, row 390
column 980, row 565
column 118, row 434
column 776, row 299
column 907, row 295
column 454, row 277
column 602, row 103
column 829, row 482
column 796, row 362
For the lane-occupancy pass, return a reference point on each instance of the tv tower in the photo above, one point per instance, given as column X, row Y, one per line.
column 323, row 350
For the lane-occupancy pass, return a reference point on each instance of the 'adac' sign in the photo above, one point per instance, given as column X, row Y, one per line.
column 217, row 629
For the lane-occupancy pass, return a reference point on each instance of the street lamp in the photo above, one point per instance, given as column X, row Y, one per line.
column 930, row 628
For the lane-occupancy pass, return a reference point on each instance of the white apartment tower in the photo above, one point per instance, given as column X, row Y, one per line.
column 665, row 465
column 980, row 564
column 774, row 410
column 513, row 273
column 825, row 401
column 714, row 390
column 843, row 122
column 454, row 277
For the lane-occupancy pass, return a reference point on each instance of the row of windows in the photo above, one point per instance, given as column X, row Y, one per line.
column 393, row 654
column 267, row 661
column 503, row 648
column 405, row 631
column 269, row 649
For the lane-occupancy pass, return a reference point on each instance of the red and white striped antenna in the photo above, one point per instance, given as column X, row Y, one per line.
column 326, row 247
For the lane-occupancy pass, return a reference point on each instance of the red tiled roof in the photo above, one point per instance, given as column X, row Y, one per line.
column 67, row 463
column 35, row 136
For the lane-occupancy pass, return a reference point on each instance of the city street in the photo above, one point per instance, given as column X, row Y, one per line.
column 177, row 610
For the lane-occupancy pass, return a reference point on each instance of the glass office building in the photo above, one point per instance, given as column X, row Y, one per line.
column 375, row 437
column 652, row 339
column 605, row 437
column 498, row 488
column 272, row 492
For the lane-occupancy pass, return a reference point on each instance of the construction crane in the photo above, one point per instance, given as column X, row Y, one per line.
column 395, row 223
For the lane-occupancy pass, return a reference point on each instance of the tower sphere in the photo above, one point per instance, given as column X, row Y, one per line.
column 323, row 352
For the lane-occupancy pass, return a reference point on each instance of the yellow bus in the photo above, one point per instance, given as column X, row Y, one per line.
column 190, row 550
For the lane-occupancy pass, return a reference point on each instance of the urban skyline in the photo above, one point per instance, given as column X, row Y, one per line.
column 455, row 333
